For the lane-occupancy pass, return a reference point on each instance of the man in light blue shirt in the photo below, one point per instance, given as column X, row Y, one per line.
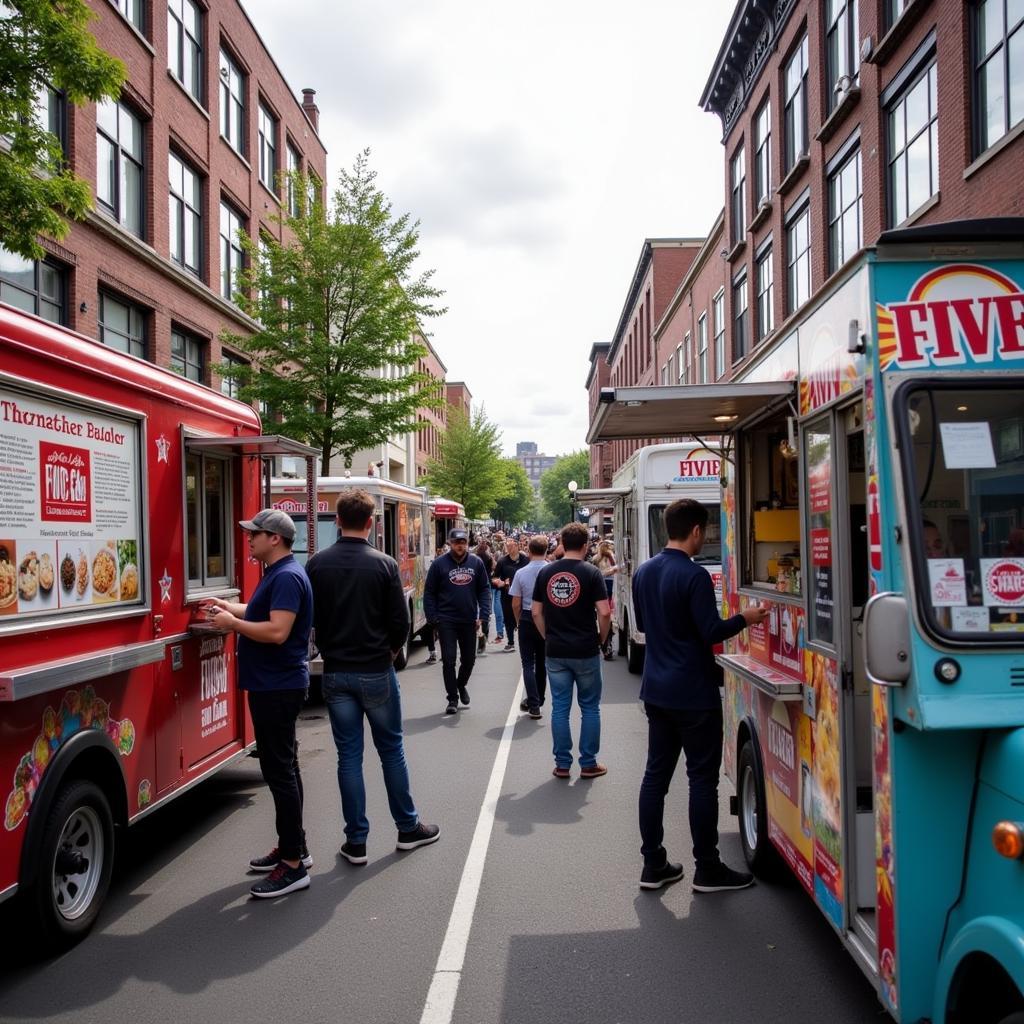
column 531, row 643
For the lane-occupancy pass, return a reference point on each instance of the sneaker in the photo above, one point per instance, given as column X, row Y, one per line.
column 421, row 835
column 595, row 771
column 481, row 644
column 354, row 853
column 535, row 713
column 524, row 705
column 280, row 881
column 560, row 773
column 431, row 658
column 509, row 647
column 609, row 656
column 498, row 639
column 464, row 696
column 654, row 878
column 453, row 708
column 720, row 879
column 272, row 859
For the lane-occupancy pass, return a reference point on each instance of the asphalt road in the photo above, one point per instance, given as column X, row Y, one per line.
column 560, row 933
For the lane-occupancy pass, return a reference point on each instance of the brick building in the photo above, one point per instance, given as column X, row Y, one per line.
column 534, row 463
column 597, row 378
column 435, row 421
column 459, row 397
column 842, row 120
column 190, row 153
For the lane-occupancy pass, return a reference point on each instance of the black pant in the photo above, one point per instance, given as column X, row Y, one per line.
column 510, row 619
column 427, row 633
column 460, row 638
column 698, row 734
column 274, row 713
column 531, row 654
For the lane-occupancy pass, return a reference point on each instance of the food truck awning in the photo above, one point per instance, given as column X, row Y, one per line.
column 261, row 444
column 680, row 409
column 600, row 497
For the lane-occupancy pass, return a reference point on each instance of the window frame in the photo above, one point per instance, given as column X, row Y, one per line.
column 895, row 100
column 979, row 61
column 135, row 345
column 177, row 215
column 230, row 103
column 291, row 188
column 842, row 31
column 718, row 328
column 39, row 298
column 765, row 296
column 702, row 347
column 123, row 7
column 206, row 581
column 200, row 346
column 740, row 317
column 267, row 151
column 738, row 193
column 118, row 209
column 179, row 36
column 762, row 153
column 229, row 245
column 794, row 111
column 837, row 255
column 229, row 385
column 801, row 212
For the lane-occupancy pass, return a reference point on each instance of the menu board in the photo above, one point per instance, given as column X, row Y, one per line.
column 70, row 507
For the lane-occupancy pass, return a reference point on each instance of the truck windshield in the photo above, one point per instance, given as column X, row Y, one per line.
column 711, row 553
column 326, row 535
column 963, row 461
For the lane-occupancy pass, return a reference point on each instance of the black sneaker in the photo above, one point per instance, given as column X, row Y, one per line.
column 524, row 705
column 272, row 859
column 654, row 878
column 453, row 708
column 535, row 713
column 431, row 658
column 421, row 835
column 509, row 647
column 464, row 696
column 280, row 881
column 354, row 853
column 720, row 879
column 481, row 644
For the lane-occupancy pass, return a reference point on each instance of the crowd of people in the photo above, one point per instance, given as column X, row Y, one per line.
column 555, row 591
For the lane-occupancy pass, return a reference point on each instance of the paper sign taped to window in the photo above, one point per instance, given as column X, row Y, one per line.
column 967, row 446
column 948, row 582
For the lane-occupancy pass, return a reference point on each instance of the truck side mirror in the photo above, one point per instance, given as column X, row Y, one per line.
column 887, row 640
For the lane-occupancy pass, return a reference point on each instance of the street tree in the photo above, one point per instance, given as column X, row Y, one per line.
column 554, row 485
column 45, row 45
column 517, row 506
column 340, row 308
column 469, row 468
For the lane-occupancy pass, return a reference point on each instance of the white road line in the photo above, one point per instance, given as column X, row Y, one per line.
column 444, row 987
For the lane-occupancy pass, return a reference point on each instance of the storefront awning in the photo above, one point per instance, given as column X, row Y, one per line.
column 262, row 444
column 600, row 497
column 681, row 409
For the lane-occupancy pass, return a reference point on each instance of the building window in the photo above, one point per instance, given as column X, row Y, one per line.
column 798, row 260
column 294, row 169
column 999, row 68
column 841, row 42
column 207, row 519
column 738, row 202
column 913, row 146
column 230, row 386
column 677, row 364
column 765, row 295
column 763, row 154
column 185, row 46
column 35, row 286
column 232, row 103
column 702, row 348
column 844, row 212
column 231, row 254
column 795, row 114
column 268, row 147
column 119, row 163
column 123, row 325
column 314, row 192
column 740, row 318
column 684, row 372
column 51, row 114
column 187, row 355
column 132, row 11
column 718, row 311
column 893, row 10
column 186, row 214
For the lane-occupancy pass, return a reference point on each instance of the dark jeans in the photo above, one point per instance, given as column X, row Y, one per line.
column 456, row 638
column 427, row 633
column 510, row 619
column 274, row 713
column 697, row 734
column 531, row 654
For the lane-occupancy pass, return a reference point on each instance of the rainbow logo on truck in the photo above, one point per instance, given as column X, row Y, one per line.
column 699, row 466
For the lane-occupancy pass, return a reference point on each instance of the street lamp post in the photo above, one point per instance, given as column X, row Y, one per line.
column 573, row 487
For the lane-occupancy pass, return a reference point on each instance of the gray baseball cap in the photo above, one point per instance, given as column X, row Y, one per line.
column 270, row 520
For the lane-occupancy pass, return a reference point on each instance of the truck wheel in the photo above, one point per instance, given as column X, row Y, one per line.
column 635, row 654
column 402, row 658
column 623, row 632
column 1014, row 1018
column 758, row 851
column 76, row 861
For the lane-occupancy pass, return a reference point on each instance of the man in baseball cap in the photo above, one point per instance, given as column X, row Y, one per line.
column 270, row 520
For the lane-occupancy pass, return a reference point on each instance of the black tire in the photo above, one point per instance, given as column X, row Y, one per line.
column 78, row 839
column 623, row 632
column 761, row 857
column 1014, row 1018
column 635, row 655
column 402, row 657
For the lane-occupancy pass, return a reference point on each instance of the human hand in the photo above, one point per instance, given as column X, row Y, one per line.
column 755, row 614
column 223, row 620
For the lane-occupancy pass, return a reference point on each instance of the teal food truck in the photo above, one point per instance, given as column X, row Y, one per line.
column 873, row 498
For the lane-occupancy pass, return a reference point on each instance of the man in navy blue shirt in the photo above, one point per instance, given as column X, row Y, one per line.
column 675, row 606
column 273, row 665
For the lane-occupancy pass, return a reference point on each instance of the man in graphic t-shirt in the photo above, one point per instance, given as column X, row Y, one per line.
column 504, row 572
column 571, row 611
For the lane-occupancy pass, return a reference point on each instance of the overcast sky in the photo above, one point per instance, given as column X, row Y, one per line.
column 538, row 145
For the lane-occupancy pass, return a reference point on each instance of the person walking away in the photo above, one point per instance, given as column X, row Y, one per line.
column 498, row 545
column 675, row 605
column 570, row 611
column 504, row 572
column 362, row 620
column 531, row 644
column 483, row 552
column 457, row 598
column 273, row 666
column 605, row 562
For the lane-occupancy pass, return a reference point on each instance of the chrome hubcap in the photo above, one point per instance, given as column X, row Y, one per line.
column 78, row 863
column 749, row 795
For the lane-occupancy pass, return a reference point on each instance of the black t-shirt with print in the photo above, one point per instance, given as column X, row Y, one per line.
column 507, row 567
column 569, row 589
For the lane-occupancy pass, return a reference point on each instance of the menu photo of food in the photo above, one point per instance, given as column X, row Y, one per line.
column 37, row 575
column 8, row 577
column 128, row 569
column 104, row 573
column 74, row 573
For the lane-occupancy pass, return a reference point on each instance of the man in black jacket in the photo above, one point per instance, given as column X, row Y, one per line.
column 362, row 620
column 456, row 598
column 504, row 572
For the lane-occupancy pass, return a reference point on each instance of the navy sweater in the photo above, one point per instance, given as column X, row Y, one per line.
column 675, row 606
column 457, row 592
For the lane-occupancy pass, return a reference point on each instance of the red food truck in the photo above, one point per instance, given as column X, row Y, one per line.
column 122, row 487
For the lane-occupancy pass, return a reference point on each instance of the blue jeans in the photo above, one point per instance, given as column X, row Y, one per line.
column 349, row 696
column 585, row 674
column 499, row 615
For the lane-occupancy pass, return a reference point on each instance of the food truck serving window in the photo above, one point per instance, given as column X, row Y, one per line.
column 208, row 519
column 962, row 450
column 71, row 526
column 769, row 496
